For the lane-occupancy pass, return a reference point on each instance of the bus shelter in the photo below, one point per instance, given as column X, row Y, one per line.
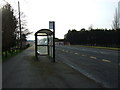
column 44, row 43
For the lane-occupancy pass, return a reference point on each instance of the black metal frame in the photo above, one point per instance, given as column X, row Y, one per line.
column 53, row 41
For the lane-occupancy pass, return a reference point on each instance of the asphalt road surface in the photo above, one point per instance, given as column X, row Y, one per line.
column 22, row 71
column 98, row 64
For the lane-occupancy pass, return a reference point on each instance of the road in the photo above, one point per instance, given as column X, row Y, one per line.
column 98, row 64
column 22, row 71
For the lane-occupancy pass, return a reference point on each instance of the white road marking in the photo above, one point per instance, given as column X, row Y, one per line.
column 93, row 57
column 105, row 60
column 66, row 51
column 76, row 53
column 84, row 55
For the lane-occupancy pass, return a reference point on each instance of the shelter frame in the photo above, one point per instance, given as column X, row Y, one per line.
column 48, row 43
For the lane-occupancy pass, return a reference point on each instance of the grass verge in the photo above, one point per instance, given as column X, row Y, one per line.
column 10, row 55
column 99, row 47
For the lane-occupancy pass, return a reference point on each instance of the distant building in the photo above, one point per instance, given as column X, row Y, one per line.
column 30, row 42
column 119, row 13
column 59, row 41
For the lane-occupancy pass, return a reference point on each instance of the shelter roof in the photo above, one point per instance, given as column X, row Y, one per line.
column 44, row 32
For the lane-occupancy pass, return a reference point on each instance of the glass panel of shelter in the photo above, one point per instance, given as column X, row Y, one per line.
column 42, row 45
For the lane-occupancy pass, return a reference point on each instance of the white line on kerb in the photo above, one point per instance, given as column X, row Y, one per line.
column 105, row 60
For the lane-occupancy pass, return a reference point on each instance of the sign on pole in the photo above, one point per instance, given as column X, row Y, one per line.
column 51, row 24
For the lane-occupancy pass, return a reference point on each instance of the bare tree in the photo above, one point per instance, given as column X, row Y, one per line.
column 115, row 21
column 24, row 30
column 90, row 27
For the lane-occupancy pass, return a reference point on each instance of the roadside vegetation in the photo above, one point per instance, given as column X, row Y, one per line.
column 99, row 38
column 12, row 53
column 99, row 47
column 11, row 33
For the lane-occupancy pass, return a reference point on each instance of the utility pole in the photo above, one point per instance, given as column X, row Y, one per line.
column 20, row 25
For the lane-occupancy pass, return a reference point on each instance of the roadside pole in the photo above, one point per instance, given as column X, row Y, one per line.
column 52, row 26
column 53, row 41
column 20, row 25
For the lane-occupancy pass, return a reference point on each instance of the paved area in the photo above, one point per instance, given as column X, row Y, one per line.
column 22, row 71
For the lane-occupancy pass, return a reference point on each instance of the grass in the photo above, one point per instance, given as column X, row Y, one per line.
column 100, row 47
column 10, row 55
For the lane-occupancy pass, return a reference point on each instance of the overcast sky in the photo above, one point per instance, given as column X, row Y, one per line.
column 67, row 14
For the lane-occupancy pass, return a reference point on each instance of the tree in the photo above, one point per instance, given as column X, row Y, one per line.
column 9, row 25
column 115, row 21
column 24, row 30
column 83, row 29
column 90, row 27
column 98, row 37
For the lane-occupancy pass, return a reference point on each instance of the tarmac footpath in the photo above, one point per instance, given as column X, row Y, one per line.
column 22, row 71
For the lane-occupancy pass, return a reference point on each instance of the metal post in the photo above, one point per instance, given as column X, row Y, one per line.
column 36, row 46
column 53, row 41
column 48, row 47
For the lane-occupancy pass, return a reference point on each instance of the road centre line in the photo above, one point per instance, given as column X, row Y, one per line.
column 84, row 55
column 93, row 57
column 63, row 50
column 76, row 53
column 70, row 52
column 105, row 60
column 66, row 51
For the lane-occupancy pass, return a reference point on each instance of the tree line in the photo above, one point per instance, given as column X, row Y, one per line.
column 97, row 37
column 10, row 30
column 94, row 37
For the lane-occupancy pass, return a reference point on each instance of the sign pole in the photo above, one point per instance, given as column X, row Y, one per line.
column 52, row 26
column 53, row 41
